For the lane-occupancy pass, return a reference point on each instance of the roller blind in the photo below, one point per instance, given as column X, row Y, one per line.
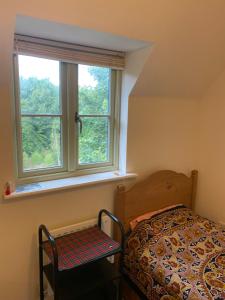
column 68, row 52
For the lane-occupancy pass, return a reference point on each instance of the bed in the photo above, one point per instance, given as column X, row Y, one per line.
column 175, row 253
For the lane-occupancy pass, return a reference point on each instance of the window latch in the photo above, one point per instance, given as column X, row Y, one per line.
column 79, row 120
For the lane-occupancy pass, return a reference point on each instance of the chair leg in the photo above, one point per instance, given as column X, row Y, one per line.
column 55, row 284
column 41, row 274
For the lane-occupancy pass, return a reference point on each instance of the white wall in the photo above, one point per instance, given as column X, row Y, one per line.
column 211, row 152
column 162, row 134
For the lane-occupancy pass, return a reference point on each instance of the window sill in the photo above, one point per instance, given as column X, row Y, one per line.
column 67, row 183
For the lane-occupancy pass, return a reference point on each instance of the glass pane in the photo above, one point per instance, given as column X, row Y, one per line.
column 39, row 85
column 93, row 90
column 41, row 142
column 94, row 141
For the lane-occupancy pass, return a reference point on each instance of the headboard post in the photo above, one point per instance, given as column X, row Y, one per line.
column 194, row 177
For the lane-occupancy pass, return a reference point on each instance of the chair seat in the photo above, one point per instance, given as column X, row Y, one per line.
column 81, row 247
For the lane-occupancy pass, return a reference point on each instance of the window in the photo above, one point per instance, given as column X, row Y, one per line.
column 67, row 117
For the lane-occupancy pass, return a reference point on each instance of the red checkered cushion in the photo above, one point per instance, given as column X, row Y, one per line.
column 81, row 247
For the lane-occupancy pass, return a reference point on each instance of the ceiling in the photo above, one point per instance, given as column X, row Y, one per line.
column 75, row 34
column 189, row 51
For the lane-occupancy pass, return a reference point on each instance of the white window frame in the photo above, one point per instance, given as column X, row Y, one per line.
column 69, row 133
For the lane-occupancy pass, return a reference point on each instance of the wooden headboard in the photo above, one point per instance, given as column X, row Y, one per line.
column 159, row 190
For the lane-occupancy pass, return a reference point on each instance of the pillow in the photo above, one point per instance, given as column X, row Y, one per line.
column 150, row 214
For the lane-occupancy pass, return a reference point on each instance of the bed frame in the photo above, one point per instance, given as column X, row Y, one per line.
column 157, row 191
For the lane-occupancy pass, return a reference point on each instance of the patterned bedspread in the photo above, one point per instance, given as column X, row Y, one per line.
column 177, row 255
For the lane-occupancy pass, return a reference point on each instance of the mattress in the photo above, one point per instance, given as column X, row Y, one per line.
column 177, row 254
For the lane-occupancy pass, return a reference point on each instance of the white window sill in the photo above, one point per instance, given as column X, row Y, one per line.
column 67, row 183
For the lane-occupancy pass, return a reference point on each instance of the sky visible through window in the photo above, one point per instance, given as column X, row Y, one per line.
column 33, row 67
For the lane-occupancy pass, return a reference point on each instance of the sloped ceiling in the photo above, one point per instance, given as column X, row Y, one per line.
column 188, row 37
column 189, row 50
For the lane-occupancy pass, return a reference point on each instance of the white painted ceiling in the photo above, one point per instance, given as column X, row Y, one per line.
column 74, row 34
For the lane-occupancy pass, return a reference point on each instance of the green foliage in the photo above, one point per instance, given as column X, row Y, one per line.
column 94, row 100
column 41, row 136
column 39, row 96
column 41, row 141
column 93, row 143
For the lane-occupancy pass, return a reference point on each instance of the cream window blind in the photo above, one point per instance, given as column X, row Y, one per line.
column 68, row 52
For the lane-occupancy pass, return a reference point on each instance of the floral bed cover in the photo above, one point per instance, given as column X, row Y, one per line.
column 177, row 255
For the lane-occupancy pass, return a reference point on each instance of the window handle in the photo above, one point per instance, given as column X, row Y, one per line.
column 79, row 120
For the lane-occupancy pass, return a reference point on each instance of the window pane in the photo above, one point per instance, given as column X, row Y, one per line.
column 94, row 90
column 39, row 85
column 94, row 141
column 41, row 142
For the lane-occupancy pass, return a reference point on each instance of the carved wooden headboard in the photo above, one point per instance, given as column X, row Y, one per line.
column 159, row 190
